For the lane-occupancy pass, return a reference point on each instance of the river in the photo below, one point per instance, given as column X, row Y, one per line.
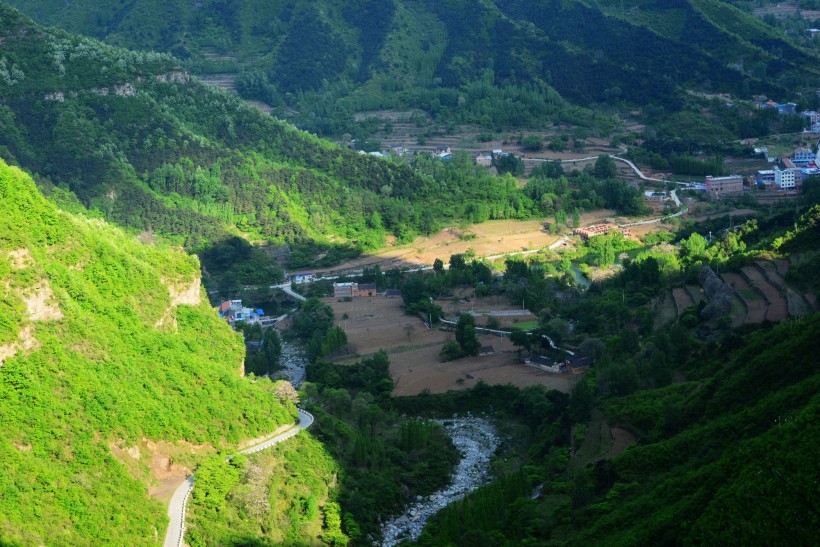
column 476, row 439
column 293, row 362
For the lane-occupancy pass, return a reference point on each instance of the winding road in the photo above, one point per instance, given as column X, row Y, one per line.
column 179, row 501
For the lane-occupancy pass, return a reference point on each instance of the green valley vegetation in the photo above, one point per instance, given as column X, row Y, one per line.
column 357, row 465
column 283, row 496
column 729, row 452
column 723, row 417
column 110, row 356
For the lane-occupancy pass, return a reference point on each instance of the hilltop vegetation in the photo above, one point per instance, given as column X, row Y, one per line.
column 511, row 64
column 135, row 140
column 107, row 346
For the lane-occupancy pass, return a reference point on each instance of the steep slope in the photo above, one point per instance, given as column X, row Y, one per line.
column 137, row 139
column 108, row 353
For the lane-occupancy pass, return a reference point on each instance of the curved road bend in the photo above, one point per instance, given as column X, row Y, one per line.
column 176, row 509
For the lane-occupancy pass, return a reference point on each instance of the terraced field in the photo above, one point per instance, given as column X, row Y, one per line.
column 761, row 293
column 755, row 304
column 777, row 309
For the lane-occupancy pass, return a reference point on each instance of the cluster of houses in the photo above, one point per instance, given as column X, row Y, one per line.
column 353, row 290
column 791, row 108
column 790, row 173
column 787, row 175
column 485, row 159
column 233, row 311
column 599, row 230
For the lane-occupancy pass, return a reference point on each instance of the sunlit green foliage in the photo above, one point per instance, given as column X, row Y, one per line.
column 100, row 351
column 279, row 496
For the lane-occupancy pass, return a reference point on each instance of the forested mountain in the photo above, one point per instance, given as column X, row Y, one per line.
column 138, row 141
column 110, row 356
column 724, row 458
column 460, row 61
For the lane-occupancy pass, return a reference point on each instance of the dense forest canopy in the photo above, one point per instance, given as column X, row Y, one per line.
column 510, row 64
column 138, row 142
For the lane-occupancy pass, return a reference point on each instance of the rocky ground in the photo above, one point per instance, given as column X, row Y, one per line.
column 477, row 441
column 293, row 360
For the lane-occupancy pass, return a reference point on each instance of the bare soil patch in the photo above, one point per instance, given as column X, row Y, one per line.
column 696, row 293
column 418, row 371
column 621, row 440
column 488, row 239
column 375, row 323
column 777, row 309
column 665, row 310
column 682, row 299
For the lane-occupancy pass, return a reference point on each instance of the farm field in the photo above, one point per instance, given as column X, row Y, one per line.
column 777, row 310
column 495, row 237
column 374, row 323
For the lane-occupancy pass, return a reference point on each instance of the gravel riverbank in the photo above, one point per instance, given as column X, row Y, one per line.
column 293, row 362
column 476, row 440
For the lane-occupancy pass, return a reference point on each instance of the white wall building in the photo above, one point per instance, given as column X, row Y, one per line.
column 785, row 178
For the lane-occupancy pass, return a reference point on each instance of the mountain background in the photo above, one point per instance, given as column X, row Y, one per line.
column 459, row 61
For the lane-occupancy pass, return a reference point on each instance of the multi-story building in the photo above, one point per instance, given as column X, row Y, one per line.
column 724, row 186
column 785, row 178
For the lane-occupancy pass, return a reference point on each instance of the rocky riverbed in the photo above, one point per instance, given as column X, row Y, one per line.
column 476, row 440
column 293, row 360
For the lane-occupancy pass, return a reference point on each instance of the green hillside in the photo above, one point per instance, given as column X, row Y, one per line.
column 106, row 347
column 726, row 458
column 142, row 144
column 507, row 64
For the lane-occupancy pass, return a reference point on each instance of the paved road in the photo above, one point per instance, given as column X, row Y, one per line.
column 286, row 287
column 179, row 501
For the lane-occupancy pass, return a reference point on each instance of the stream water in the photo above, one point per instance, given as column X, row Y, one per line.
column 475, row 438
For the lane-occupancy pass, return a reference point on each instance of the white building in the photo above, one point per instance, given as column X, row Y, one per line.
column 785, row 178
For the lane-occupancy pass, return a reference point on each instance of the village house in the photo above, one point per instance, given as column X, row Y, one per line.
column 353, row 289
column 484, row 160
column 443, row 153
column 802, row 155
column 786, row 179
column 718, row 187
column 233, row 311
column 599, row 230
column 766, row 178
column 545, row 363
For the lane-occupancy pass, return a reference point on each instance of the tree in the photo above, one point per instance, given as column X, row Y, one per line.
column 509, row 163
column 594, row 348
column 312, row 317
column 532, row 143
column 450, row 351
column 604, row 167
column 694, row 247
column 466, row 334
column 521, row 338
column 413, row 290
column 438, row 266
